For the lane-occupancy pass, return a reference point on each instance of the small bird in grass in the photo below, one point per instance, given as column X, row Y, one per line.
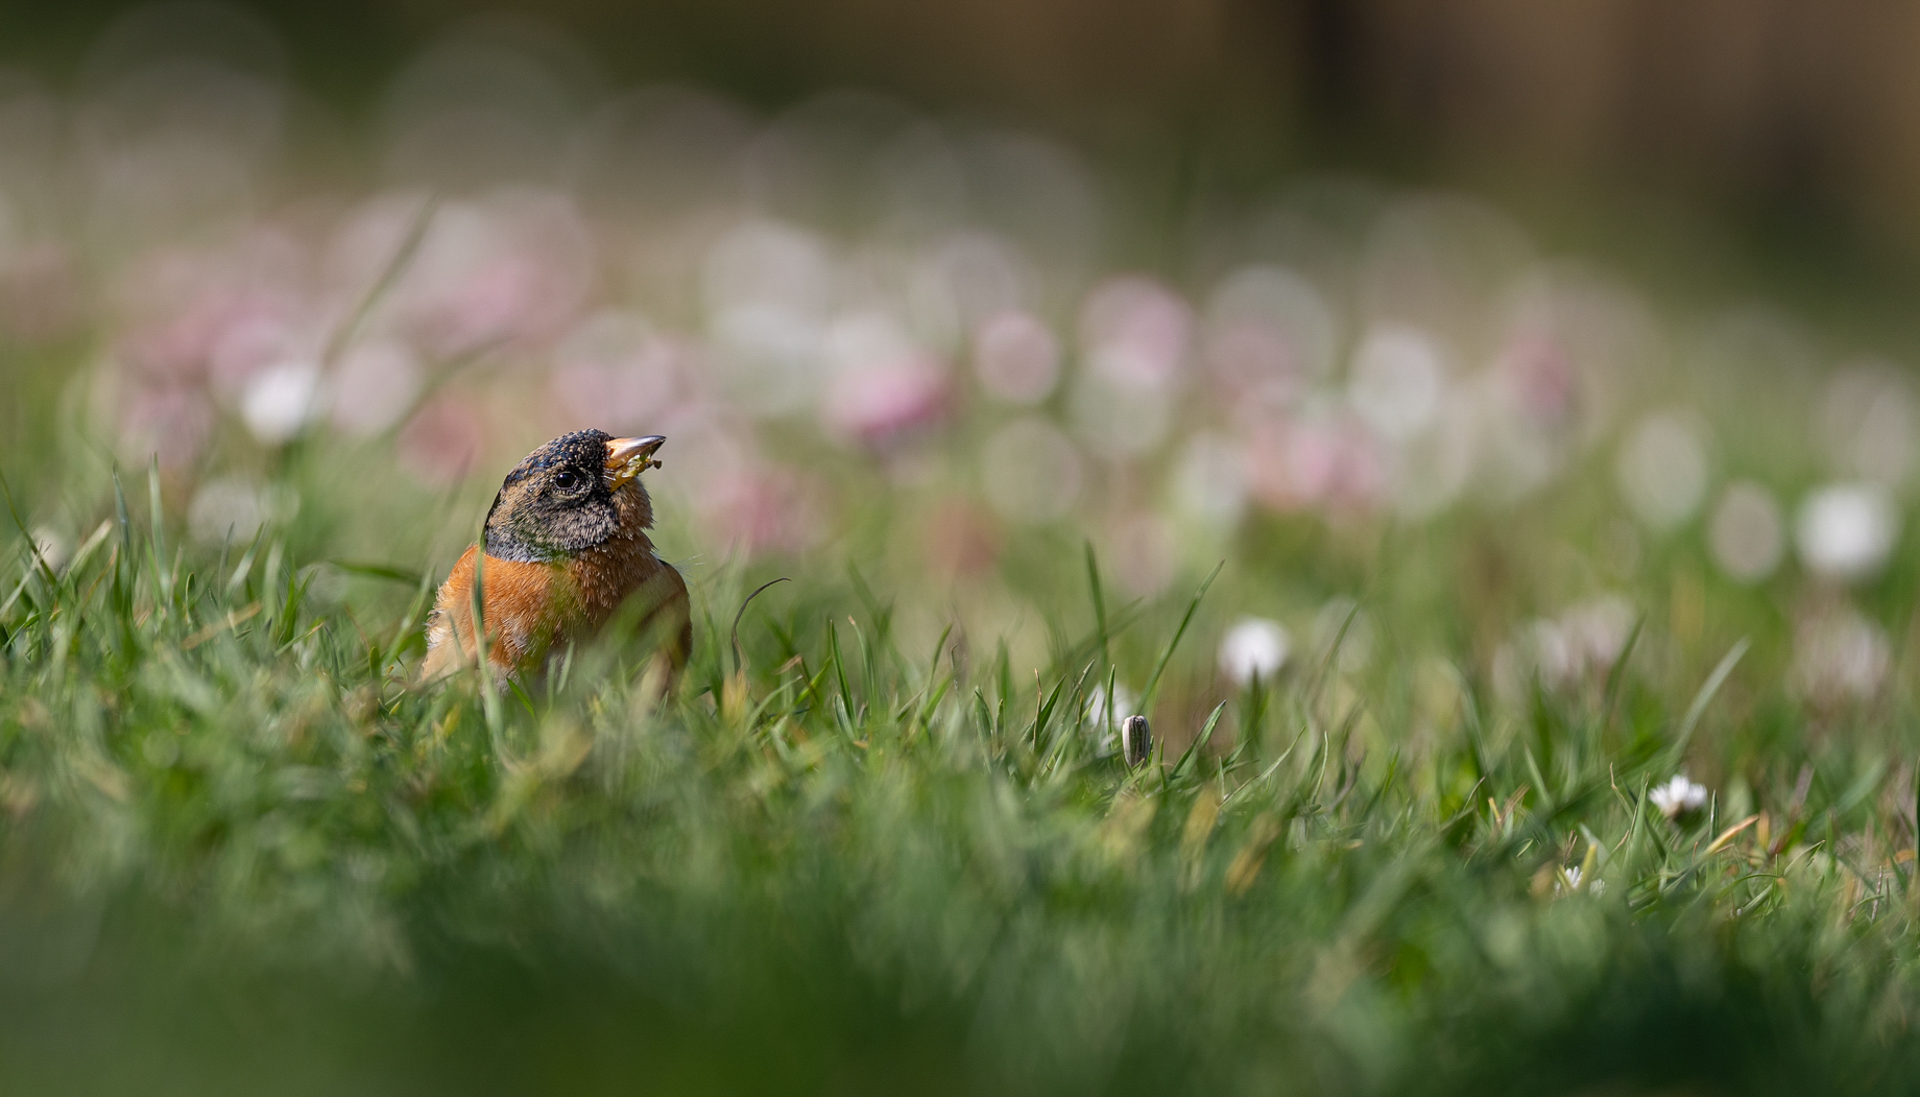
column 565, row 546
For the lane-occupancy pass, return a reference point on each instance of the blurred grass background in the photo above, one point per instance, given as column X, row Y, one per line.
column 1536, row 379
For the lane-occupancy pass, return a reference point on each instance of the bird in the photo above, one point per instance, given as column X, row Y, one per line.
column 564, row 546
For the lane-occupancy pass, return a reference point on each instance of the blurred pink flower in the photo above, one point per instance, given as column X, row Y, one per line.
column 1254, row 357
column 615, row 372
column 177, row 307
column 1536, row 373
column 40, row 293
column 1016, row 357
column 759, row 509
column 444, row 440
column 516, row 266
column 1134, row 332
column 1029, row 471
column 876, row 403
column 1141, row 554
column 170, row 422
column 962, row 538
column 1325, row 463
column 254, row 334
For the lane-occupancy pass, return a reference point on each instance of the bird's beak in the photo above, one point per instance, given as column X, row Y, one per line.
column 629, row 457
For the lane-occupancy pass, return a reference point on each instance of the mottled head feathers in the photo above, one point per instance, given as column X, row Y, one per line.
column 564, row 499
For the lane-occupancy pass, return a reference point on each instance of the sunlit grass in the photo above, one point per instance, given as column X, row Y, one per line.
column 831, row 857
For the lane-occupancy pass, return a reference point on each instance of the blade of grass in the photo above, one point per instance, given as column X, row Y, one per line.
column 1153, row 683
column 1325, row 669
column 1616, row 674
column 739, row 658
column 1099, row 602
column 156, row 517
column 1200, row 740
column 396, row 265
column 1703, row 698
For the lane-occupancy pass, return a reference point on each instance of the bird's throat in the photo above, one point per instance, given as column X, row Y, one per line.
column 501, row 544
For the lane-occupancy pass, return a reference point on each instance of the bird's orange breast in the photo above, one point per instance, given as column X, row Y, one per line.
column 527, row 608
column 523, row 606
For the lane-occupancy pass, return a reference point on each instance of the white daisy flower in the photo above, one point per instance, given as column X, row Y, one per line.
column 1679, row 797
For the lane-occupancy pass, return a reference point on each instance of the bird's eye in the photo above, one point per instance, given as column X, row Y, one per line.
column 565, row 480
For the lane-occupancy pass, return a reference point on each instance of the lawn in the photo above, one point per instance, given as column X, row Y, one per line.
column 1527, row 659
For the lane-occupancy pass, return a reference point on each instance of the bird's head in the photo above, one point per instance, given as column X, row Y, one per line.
column 571, row 494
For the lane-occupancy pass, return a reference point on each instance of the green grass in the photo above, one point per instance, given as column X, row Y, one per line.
column 244, row 853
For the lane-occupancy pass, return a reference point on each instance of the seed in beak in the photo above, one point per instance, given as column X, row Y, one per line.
column 629, row 457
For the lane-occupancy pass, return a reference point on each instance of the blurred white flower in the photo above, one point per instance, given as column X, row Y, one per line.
column 1269, row 333
column 863, row 337
column 1867, row 422
column 979, row 276
column 1839, row 655
column 770, row 354
column 1748, row 533
column 1596, row 630
column 1678, row 797
column 1555, row 660
column 1847, row 531
column 1104, row 716
column 1029, row 471
column 1573, row 878
column 766, row 287
column 1356, row 646
column 770, row 264
column 373, row 386
column 227, row 509
column 1016, row 358
column 1569, row 881
column 1431, row 469
column 1118, row 421
column 1584, row 641
column 280, row 400
column 1398, row 381
column 1254, row 647
column 1662, row 469
column 516, row 266
column 52, row 548
column 1211, row 481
